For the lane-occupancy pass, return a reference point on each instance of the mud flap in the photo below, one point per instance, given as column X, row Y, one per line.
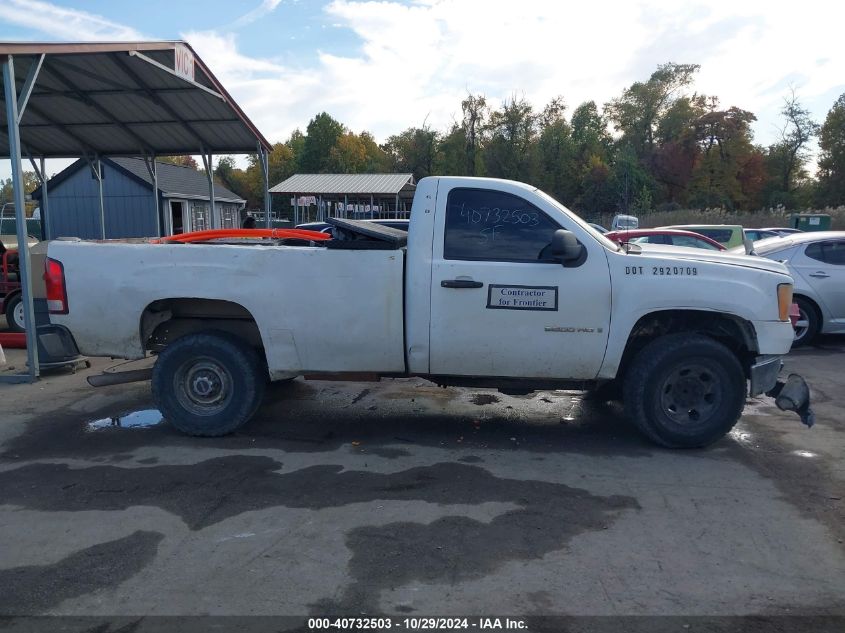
column 794, row 395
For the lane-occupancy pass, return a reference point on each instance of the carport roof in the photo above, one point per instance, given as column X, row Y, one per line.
column 322, row 184
column 123, row 99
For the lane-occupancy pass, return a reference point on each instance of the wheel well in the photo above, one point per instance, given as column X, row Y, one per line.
column 812, row 303
column 165, row 320
column 735, row 333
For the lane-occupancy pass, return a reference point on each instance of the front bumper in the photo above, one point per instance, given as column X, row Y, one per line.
column 764, row 374
column 791, row 395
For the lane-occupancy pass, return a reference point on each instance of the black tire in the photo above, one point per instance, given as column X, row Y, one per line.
column 208, row 384
column 684, row 390
column 11, row 321
column 809, row 323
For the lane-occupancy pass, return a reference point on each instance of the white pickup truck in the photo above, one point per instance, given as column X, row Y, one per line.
column 495, row 284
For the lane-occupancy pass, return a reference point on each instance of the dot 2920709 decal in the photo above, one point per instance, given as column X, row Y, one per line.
column 662, row 271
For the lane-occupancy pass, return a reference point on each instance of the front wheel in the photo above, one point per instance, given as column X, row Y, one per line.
column 807, row 326
column 208, row 384
column 684, row 390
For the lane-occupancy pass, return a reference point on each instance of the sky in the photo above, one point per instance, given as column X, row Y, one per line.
column 386, row 65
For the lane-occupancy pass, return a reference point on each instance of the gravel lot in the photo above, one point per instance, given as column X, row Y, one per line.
column 403, row 498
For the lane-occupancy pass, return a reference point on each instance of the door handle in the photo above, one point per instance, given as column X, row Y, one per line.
column 461, row 283
column 819, row 275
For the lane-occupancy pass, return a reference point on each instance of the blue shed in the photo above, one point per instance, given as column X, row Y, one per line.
column 74, row 203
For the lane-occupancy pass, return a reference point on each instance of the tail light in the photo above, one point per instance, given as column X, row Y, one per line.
column 54, row 278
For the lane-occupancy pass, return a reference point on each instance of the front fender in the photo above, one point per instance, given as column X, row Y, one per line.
column 643, row 285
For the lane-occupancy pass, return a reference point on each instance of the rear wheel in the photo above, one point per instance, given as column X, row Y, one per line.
column 208, row 384
column 684, row 390
column 14, row 314
column 808, row 324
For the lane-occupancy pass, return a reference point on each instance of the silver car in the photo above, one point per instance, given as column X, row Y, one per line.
column 816, row 262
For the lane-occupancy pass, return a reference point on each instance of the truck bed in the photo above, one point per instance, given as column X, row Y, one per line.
column 317, row 309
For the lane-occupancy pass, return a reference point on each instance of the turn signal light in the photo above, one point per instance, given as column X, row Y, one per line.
column 54, row 279
column 784, row 301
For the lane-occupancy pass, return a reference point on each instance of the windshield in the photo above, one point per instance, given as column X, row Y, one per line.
column 607, row 243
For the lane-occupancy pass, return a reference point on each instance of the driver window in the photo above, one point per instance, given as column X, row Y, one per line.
column 496, row 226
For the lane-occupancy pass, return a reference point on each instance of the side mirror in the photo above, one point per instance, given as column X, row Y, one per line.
column 565, row 247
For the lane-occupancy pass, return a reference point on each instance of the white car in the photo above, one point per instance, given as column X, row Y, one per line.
column 816, row 262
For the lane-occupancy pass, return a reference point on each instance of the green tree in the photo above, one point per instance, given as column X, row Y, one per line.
column 594, row 150
column 296, row 142
column 725, row 142
column 183, row 161
column 831, row 172
column 7, row 192
column 628, row 179
column 638, row 112
column 451, row 157
column 414, row 150
column 355, row 154
column 556, row 169
column 321, row 136
column 787, row 159
column 224, row 172
column 596, row 187
column 589, row 133
column 475, row 113
column 511, row 149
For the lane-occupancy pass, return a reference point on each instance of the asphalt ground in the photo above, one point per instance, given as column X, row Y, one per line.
column 406, row 499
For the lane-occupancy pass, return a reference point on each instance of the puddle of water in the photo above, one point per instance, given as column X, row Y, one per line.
column 805, row 453
column 575, row 410
column 743, row 437
column 134, row 420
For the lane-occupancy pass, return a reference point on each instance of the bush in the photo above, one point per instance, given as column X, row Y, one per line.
column 663, row 207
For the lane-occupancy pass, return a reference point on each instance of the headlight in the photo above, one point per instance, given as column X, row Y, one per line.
column 784, row 301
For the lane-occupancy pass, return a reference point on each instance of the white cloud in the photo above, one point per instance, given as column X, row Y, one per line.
column 266, row 6
column 62, row 23
column 416, row 61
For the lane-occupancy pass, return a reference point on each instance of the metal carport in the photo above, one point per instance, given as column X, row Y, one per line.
column 70, row 100
column 336, row 189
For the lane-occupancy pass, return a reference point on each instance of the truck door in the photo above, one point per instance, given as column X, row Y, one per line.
column 500, row 306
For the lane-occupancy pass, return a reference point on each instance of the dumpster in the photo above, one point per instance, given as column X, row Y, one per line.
column 810, row 221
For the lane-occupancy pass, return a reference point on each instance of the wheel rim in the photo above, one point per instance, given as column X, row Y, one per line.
column 17, row 315
column 203, row 386
column 691, row 393
column 801, row 325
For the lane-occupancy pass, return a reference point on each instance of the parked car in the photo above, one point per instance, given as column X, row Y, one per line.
column 549, row 303
column 816, row 262
column 622, row 221
column 782, row 230
column 728, row 235
column 670, row 237
column 756, row 235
